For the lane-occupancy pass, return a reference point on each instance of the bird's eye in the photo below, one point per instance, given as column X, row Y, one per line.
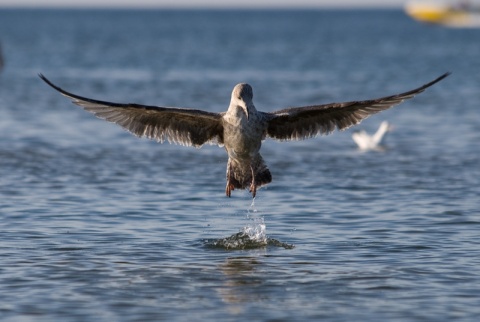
column 239, row 97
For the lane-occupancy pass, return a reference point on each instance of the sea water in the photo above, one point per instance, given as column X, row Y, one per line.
column 96, row 224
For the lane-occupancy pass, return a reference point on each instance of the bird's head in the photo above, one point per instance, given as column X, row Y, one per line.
column 242, row 96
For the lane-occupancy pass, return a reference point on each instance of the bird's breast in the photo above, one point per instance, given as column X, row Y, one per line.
column 242, row 138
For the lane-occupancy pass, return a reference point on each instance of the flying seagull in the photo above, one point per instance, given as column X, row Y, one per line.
column 366, row 141
column 241, row 129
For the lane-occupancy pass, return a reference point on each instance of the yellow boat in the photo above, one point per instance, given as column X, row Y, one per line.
column 462, row 14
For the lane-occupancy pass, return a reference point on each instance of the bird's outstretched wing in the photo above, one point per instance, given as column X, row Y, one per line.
column 298, row 123
column 177, row 125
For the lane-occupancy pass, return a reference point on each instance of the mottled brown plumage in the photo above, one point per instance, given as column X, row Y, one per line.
column 241, row 129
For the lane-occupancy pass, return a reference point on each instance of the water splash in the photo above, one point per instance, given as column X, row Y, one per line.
column 256, row 231
column 252, row 236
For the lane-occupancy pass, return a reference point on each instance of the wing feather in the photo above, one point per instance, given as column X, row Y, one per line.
column 298, row 123
column 177, row 125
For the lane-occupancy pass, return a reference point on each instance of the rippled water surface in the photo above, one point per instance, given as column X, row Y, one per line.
column 96, row 224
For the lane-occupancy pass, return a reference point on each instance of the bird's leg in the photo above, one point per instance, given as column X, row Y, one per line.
column 253, row 186
column 230, row 186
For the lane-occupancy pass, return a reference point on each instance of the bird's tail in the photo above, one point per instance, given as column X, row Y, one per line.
column 240, row 175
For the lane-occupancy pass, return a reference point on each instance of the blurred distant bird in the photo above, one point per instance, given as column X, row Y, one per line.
column 241, row 128
column 371, row 142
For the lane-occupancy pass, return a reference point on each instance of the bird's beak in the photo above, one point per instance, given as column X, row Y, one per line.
column 245, row 109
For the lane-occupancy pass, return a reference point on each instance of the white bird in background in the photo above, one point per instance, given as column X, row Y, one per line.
column 371, row 142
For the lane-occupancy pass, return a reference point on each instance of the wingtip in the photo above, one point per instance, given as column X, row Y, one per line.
column 42, row 77
column 46, row 80
column 445, row 75
column 436, row 80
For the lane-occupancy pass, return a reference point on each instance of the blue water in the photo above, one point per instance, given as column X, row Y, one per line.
column 97, row 225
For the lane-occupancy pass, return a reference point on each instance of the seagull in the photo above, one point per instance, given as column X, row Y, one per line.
column 371, row 142
column 241, row 129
